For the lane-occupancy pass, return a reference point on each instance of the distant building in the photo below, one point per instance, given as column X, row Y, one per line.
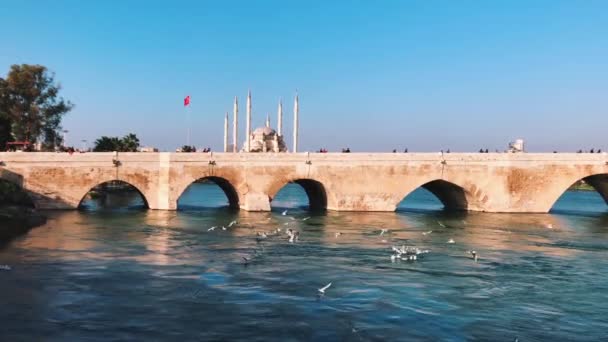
column 266, row 139
column 262, row 139
column 516, row 146
column 148, row 149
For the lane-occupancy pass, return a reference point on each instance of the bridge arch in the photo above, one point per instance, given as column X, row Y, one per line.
column 451, row 195
column 597, row 181
column 119, row 187
column 229, row 190
column 315, row 192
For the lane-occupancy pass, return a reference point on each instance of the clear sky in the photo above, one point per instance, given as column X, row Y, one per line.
column 371, row 75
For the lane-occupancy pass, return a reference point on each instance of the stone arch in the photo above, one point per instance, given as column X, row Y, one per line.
column 315, row 190
column 141, row 193
column 599, row 181
column 451, row 195
column 227, row 187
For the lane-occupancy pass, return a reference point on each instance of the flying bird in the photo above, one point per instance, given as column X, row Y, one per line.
column 232, row 223
column 212, row 228
column 284, row 213
column 322, row 290
column 427, row 233
column 383, row 231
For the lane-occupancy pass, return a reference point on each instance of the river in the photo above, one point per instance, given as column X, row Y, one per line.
column 132, row 274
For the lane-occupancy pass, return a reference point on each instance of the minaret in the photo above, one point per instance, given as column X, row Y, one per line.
column 248, row 140
column 296, row 109
column 280, row 119
column 267, row 120
column 235, row 127
column 226, row 133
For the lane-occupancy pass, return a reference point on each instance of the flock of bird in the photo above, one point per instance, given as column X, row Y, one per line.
column 403, row 253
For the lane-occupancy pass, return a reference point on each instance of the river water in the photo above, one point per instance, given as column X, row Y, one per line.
column 132, row 274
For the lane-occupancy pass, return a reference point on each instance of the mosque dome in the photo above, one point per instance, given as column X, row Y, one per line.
column 264, row 130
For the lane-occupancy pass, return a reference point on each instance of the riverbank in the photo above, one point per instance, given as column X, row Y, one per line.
column 16, row 220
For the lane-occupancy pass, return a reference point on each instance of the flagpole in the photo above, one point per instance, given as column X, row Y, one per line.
column 188, row 110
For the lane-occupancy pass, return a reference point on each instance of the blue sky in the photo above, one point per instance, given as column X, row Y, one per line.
column 371, row 75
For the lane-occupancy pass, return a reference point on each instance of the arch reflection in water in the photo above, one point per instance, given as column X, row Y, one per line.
column 586, row 196
column 303, row 194
column 209, row 193
column 113, row 195
column 434, row 196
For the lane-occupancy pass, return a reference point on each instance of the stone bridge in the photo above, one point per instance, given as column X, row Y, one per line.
column 492, row 182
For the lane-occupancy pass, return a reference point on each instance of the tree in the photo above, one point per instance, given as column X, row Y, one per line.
column 29, row 98
column 129, row 143
column 5, row 122
column 187, row 148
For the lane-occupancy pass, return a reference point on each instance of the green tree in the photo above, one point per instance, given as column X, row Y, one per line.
column 187, row 148
column 29, row 98
column 5, row 122
column 129, row 143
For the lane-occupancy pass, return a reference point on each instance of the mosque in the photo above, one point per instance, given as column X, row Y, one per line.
column 262, row 139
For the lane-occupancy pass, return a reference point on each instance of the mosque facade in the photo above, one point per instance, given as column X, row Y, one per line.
column 262, row 139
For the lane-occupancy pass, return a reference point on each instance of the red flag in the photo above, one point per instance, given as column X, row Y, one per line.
column 186, row 100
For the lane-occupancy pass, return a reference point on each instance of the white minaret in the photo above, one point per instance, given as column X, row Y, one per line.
column 280, row 119
column 226, row 133
column 296, row 109
column 248, row 140
column 235, row 126
column 267, row 120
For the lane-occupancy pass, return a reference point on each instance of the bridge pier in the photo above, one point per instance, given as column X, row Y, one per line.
column 255, row 201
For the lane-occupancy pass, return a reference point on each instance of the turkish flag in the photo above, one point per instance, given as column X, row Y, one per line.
column 187, row 100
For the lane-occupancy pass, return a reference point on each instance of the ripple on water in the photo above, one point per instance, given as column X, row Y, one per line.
column 163, row 276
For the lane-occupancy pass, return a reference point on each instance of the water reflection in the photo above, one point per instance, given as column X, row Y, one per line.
column 115, row 274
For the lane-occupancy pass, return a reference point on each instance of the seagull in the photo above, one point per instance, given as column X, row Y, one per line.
column 306, row 218
column 284, row 213
column 427, row 233
column 223, row 228
column 322, row 290
column 232, row 223
column 383, row 231
column 212, row 228
column 262, row 235
column 338, row 234
column 474, row 254
column 441, row 224
column 451, row 241
column 293, row 235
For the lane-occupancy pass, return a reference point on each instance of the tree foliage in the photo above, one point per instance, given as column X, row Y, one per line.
column 187, row 148
column 128, row 143
column 30, row 103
